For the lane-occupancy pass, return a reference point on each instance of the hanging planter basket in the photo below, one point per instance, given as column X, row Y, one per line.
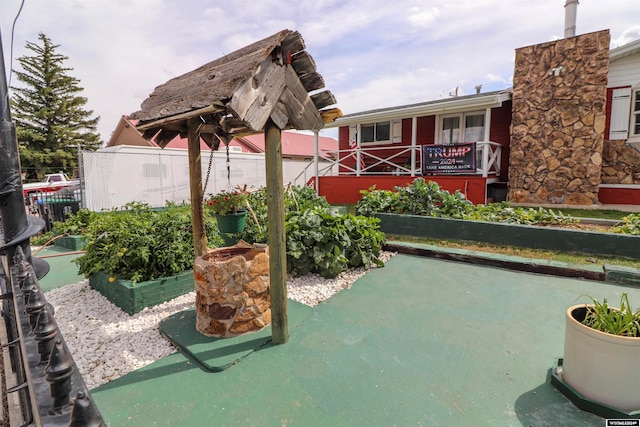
column 231, row 223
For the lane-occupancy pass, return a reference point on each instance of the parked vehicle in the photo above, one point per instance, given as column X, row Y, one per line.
column 51, row 182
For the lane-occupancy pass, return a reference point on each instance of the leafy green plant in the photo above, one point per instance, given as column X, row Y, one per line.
column 226, row 202
column 630, row 225
column 505, row 213
column 428, row 199
column 74, row 224
column 318, row 239
column 327, row 244
column 418, row 198
column 296, row 198
column 374, row 201
column 622, row 321
column 141, row 244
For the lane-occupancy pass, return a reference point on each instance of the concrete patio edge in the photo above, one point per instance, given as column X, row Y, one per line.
column 604, row 273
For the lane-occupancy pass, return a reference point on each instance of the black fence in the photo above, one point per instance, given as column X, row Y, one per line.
column 54, row 206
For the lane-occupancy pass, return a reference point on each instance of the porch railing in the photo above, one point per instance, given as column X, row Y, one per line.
column 392, row 161
column 488, row 155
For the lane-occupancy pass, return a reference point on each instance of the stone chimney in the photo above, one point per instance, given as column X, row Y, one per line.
column 558, row 120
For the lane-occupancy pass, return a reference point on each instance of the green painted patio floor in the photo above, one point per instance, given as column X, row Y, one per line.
column 419, row 342
column 63, row 271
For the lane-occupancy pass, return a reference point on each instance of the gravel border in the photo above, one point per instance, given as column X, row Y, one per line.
column 107, row 343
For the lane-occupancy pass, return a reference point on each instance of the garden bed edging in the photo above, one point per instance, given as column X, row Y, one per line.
column 524, row 236
column 134, row 298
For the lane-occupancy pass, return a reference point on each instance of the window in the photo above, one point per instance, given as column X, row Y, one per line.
column 619, row 119
column 467, row 127
column 376, row 132
column 450, row 130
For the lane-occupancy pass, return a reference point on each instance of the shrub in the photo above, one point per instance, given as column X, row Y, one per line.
column 318, row 239
column 374, row 201
column 428, row 199
column 323, row 243
column 75, row 224
column 141, row 244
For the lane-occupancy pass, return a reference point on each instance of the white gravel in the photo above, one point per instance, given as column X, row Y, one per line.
column 107, row 343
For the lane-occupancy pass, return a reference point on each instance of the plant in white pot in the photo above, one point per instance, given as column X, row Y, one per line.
column 602, row 354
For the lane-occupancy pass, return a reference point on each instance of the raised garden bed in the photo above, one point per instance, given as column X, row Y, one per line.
column 524, row 236
column 73, row 242
column 134, row 298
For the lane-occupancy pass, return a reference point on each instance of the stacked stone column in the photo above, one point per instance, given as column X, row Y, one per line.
column 559, row 102
column 232, row 290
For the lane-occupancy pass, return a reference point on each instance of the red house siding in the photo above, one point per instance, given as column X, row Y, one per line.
column 345, row 190
column 426, row 134
column 500, row 133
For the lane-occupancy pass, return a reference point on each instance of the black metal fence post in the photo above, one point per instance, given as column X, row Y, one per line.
column 41, row 364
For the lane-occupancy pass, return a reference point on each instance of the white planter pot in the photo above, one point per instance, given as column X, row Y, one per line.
column 603, row 368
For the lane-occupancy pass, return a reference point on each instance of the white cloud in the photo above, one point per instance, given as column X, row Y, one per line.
column 423, row 18
column 371, row 53
column 627, row 36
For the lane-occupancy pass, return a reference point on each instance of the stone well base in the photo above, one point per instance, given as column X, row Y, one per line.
column 232, row 290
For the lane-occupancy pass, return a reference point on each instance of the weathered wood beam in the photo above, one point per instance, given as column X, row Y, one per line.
column 331, row 114
column 312, row 81
column 276, row 235
column 301, row 111
column 303, row 63
column 178, row 118
column 257, row 96
column 323, row 99
column 292, row 43
column 195, row 180
column 166, row 135
column 150, row 133
column 279, row 115
column 211, row 140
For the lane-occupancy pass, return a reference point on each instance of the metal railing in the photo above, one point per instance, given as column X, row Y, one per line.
column 393, row 160
column 489, row 154
column 48, row 388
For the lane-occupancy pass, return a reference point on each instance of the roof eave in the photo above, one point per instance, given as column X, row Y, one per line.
column 446, row 106
column 624, row 50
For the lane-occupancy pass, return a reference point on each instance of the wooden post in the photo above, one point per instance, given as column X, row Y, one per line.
column 195, row 179
column 276, row 238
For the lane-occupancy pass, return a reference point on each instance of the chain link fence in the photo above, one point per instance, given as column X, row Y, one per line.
column 114, row 177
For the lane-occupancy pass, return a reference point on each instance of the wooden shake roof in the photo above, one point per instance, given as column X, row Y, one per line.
column 274, row 78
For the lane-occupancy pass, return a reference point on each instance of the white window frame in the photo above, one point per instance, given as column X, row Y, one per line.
column 619, row 119
column 395, row 133
column 634, row 119
column 462, row 120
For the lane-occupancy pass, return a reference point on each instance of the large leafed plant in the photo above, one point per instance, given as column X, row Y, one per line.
column 140, row 244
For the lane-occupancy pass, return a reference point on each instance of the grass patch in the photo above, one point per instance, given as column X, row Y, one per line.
column 566, row 257
column 595, row 213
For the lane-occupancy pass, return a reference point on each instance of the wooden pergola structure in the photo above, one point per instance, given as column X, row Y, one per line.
column 268, row 86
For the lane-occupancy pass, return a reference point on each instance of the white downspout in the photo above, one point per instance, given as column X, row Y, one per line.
column 358, row 154
column 414, row 144
column 570, row 13
column 316, row 146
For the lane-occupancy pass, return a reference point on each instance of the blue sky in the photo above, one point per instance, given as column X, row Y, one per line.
column 371, row 53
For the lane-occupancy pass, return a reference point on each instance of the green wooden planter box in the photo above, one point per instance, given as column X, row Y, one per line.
column 524, row 236
column 133, row 298
column 73, row 242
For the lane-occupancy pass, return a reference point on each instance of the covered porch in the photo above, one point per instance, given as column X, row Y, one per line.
column 341, row 175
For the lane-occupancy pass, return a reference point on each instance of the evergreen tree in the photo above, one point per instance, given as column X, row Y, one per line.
column 49, row 113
